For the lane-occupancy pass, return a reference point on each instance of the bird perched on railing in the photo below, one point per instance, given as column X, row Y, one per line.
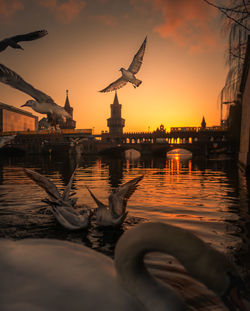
column 13, row 41
column 115, row 213
column 63, row 207
column 129, row 74
column 43, row 103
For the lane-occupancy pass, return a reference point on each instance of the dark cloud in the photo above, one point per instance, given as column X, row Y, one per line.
column 8, row 8
column 105, row 19
column 65, row 11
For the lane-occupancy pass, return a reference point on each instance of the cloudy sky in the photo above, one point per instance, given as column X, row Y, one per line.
column 89, row 40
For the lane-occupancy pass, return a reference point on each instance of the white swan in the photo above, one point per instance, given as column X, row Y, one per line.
column 42, row 274
column 63, row 207
column 115, row 213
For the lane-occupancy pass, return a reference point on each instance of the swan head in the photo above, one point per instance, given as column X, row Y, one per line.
column 29, row 103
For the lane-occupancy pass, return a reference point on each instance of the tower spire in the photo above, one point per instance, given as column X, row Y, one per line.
column 116, row 101
column 67, row 105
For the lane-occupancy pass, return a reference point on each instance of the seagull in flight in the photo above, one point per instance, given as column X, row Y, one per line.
column 129, row 74
column 13, row 41
column 43, row 103
column 115, row 213
column 63, row 207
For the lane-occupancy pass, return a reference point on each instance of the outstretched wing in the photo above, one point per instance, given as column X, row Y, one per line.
column 137, row 60
column 30, row 36
column 115, row 85
column 118, row 198
column 66, row 192
column 4, row 44
column 99, row 203
column 11, row 78
column 25, row 37
column 44, row 183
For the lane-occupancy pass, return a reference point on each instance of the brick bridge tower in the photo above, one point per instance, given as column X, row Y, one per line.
column 116, row 122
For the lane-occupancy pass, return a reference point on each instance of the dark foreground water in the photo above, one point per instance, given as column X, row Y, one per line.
column 211, row 198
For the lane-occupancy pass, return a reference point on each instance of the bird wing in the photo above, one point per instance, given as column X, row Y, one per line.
column 30, row 36
column 115, row 85
column 137, row 60
column 44, row 183
column 118, row 198
column 11, row 78
column 66, row 192
column 4, row 44
column 26, row 37
column 99, row 203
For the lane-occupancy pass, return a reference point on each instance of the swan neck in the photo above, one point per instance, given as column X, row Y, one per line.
column 196, row 256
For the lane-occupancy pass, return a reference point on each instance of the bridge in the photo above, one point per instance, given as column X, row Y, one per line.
column 201, row 142
column 196, row 140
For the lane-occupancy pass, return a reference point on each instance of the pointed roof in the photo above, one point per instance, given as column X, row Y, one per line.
column 203, row 123
column 67, row 105
column 116, row 101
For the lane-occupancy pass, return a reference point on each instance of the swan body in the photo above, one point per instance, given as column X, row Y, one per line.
column 51, row 275
column 58, row 275
column 115, row 213
column 63, row 207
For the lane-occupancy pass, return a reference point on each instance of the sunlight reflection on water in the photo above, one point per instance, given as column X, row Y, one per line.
column 209, row 198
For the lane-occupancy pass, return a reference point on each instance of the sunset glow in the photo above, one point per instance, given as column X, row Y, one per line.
column 183, row 69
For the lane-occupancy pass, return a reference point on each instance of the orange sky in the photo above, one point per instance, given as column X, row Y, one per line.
column 183, row 69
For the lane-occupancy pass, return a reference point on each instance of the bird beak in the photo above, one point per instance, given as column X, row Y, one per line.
column 23, row 105
column 234, row 301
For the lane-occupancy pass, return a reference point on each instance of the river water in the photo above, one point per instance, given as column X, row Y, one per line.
column 210, row 198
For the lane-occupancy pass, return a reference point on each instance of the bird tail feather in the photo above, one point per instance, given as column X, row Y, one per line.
column 137, row 82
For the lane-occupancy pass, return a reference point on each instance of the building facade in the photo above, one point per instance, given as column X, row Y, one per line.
column 13, row 119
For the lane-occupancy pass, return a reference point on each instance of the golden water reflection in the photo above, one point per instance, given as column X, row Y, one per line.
column 205, row 197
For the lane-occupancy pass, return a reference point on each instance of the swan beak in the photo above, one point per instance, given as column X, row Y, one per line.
column 234, row 300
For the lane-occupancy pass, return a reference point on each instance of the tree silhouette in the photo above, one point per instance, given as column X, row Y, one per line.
column 235, row 15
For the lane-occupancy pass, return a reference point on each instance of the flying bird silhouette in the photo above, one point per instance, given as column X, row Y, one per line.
column 13, row 41
column 129, row 74
column 115, row 213
column 63, row 207
column 43, row 103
